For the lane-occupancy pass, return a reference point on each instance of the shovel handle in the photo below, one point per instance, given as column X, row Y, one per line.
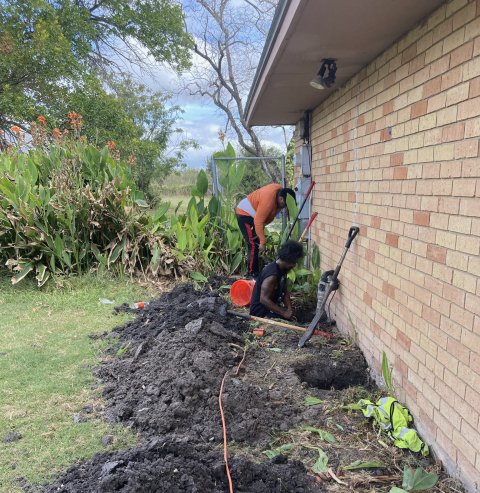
column 354, row 230
column 314, row 215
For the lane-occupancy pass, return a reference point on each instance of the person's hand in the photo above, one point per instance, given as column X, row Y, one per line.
column 288, row 314
column 262, row 248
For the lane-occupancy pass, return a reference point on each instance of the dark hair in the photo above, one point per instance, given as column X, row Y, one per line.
column 284, row 191
column 290, row 251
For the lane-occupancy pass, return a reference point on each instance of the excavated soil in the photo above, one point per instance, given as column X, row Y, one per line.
column 165, row 386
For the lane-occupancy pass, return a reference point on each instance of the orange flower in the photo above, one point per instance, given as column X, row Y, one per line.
column 56, row 132
column 16, row 129
column 1, row 132
column 111, row 145
column 42, row 119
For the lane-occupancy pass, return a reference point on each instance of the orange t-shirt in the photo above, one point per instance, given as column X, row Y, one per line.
column 264, row 202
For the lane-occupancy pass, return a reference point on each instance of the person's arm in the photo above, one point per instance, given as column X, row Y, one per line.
column 288, row 305
column 267, row 292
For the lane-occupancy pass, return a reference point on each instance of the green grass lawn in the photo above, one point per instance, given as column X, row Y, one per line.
column 176, row 199
column 44, row 378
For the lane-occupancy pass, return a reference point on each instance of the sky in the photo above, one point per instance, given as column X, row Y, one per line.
column 202, row 120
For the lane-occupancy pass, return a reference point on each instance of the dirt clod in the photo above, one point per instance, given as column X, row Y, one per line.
column 12, row 436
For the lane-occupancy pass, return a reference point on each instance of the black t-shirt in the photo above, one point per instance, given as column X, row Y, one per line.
column 256, row 308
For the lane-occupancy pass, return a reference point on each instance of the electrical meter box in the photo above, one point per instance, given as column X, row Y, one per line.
column 302, row 187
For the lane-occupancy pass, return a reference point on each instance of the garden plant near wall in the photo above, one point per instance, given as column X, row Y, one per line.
column 67, row 208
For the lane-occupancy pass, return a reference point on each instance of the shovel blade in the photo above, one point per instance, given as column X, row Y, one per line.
column 311, row 328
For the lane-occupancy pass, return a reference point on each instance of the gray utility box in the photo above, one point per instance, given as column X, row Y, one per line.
column 303, row 160
column 302, row 187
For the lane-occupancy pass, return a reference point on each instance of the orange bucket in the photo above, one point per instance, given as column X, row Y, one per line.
column 241, row 292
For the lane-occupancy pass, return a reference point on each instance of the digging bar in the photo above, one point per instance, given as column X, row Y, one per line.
column 275, row 322
column 328, row 290
column 300, row 210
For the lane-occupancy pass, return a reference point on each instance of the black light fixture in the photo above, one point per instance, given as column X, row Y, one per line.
column 320, row 81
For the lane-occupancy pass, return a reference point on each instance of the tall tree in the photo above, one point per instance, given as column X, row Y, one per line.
column 229, row 37
column 48, row 46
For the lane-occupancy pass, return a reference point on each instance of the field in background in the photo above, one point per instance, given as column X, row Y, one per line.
column 45, row 360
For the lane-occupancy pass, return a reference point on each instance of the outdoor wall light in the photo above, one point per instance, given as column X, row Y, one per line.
column 320, row 81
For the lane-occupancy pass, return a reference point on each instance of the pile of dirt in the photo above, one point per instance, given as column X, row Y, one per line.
column 176, row 309
column 171, row 384
column 166, row 384
column 177, row 465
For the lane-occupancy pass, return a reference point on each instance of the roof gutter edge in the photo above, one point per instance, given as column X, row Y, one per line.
column 280, row 11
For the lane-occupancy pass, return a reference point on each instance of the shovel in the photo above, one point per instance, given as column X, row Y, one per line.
column 328, row 290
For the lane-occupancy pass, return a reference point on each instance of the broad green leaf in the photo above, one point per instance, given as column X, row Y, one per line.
column 312, row 401
column 198, row 277
column 33, row 171
column 161, row 211
column 397, row 490
column 141, row 203
column 181, row 239
column 271, row 454
column 58, row 245
column 236, row 262
column 178, row 206
column 24, row 272
column 386, row 373
column 66, row 258
column 321, row 464
column 358, row 464
column 324, row 435
column 202, row 183
column 423, row 481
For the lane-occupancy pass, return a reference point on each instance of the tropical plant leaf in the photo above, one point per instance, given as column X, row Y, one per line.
column 321, row 464
column 161, row 212
column 198, row 277
column 236, row 262
column 312, row 401
column 386, row 373
column 358, row 464
column 423, row 481
column 202, row 182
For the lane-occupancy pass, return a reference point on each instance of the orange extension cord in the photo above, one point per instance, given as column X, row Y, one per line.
column 225, row 456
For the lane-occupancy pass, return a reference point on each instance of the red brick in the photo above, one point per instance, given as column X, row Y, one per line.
column 431, row 316
column 334, row 133
column 389, row 81
column 409, row 388
column 367, row 299
column 437, row 254
column 376, row 222
column 327, row 170
column 442, row 30
column 421, row 218
column 453, row 132
column 343, row 167
column 385, row 135
column 455, row 295
column 396, row 159
column 474, row 88
column 361, row 120
column 370, row 127
column 458, row 350
column 432, row 87
column 352, row 196
column 403, row 340
column 409, row 54
column 400, row 173
column 452, row 78
column 418, row 63
column 375, row 328
column 370, row 256
column 419, row 109
column 401, row 366
column 389, row 290
column 392, row 240
column 461, row 54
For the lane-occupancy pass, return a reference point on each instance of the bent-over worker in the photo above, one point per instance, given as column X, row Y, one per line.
column 254, row 213
column 271, row 286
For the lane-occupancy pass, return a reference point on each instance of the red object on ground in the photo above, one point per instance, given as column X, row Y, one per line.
column 241, row 292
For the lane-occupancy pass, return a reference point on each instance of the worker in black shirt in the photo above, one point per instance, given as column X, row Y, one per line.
column 271, row 286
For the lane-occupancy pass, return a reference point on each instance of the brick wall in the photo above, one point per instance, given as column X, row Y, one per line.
column 396, row 151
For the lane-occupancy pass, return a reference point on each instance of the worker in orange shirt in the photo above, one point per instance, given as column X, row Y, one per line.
column 254, row 213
